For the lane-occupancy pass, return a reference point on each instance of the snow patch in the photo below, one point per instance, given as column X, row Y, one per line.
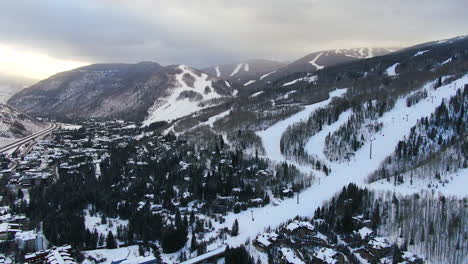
column 391, row 71
column 314, row 62
column 256, row 94
column 236, row 70
column 172, row 107
column 447, row 61
column 249, row 82
column 308, row 79
column 419, row 53
column 266, row 75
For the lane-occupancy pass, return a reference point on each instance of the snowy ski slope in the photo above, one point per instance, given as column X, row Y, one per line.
column 397, row 124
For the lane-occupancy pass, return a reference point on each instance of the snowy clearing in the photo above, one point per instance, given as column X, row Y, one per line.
column 419, row 53
column 447, row 61
column 249, row 82
column 108, row 256
column 213, row 119
column 308, row 79
column 314, row 62
column 256, row 94
column 391, row 71
column 456, row 187
column 316, row 144
column 271, row 137
column 236, row 70
column 286, row 96
column 173, row 106
column 266, row 75
column 396, row 126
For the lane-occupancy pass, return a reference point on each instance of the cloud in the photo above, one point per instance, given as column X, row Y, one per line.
column 203, row 32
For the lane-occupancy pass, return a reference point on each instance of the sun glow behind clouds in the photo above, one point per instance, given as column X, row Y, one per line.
column 33, row 65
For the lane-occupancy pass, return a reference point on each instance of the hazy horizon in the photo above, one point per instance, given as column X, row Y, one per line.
column 43, row 38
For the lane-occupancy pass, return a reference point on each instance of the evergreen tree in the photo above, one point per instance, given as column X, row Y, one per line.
column 110, row 240
column 235, row 228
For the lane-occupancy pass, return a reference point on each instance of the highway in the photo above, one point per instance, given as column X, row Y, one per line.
column 52, row 127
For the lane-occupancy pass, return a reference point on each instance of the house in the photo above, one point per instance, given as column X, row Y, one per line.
column 264, row 241
column 54, row 255
column 365, row 233
column 379, row 247
column 327, row 256
column 365, row 254
column 289, row 256
column 300, row 228
column 36, row 257
column 60, row 255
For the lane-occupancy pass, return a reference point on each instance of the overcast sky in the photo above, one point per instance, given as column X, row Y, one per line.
column 41, row 37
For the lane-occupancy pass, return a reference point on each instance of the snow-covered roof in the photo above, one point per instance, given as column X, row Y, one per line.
column 3, row 227
column 205, row 256
column 299, row 224
column 291, row 256
column 266, row 239
column 379, row 243
column 326, row 255
column 26, row 235
column 364, row 232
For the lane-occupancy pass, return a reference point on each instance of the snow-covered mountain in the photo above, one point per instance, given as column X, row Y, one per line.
column 131, row 91
column 14, row 124
column 317, row 61
column 244, row 71
column 190, row 92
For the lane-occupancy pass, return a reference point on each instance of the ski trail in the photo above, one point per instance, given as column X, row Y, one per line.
column 314, row 62
column 236, row 70
column 271, row 137
column 316, row 143
column 397, row 125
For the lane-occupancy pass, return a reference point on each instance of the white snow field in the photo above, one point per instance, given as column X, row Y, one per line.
column 173, row 107
column 314, row 62
column 391, row 71
column 256, row 94
column 271, row 137
column 316, row 144
column 308, row 79
column 447, row 61
column 397, row 124
column 236, row 70
column 213, row 119
column 266, row 75
column 218, row 73
column 249, row 82
column 110, row 255
column 455, row 187
column 419, row 53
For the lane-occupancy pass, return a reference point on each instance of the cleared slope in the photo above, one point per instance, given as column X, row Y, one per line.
column 190, row 93
column 395, row 128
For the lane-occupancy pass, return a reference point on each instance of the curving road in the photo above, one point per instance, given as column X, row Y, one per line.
column 52, row 127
